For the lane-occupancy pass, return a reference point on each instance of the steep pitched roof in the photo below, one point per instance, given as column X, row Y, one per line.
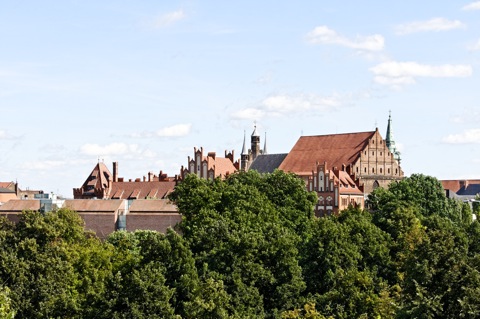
column 223, row 166
column 267, row 163
column 99, row 177
column 7, row 185
column 335, row 149
column 347, row 185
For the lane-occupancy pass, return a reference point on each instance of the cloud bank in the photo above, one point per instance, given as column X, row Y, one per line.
column 168, row 19
column 325, row 35
column 402, row 73
column 289, row 105
column 467, row 137
column 472, row 6
column 432, row 25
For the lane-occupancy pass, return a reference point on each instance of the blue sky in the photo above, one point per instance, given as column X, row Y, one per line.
column 144, row 82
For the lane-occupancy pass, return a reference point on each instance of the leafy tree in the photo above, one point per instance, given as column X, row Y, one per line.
column 245, row 234
column 6, row 311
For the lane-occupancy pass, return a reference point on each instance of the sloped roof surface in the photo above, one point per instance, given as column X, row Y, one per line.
column 455, row 184
column 347, row 185
column 267, row 163
column 99, row 177
column 152, row 205
column 141, row 190
column 93, row 205
column 223, row 166
column 6, row 184
column 20, row 205
column 335, row 149
column 470, row 190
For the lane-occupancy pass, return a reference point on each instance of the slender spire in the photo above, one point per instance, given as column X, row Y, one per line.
column 389, row 136
column 244, row 148
column 265, row 145
column 389, row 141
column 255, row 129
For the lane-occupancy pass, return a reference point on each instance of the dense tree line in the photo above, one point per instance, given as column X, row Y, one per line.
column 250, row 247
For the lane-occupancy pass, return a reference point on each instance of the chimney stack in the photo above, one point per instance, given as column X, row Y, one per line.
column 115, row 171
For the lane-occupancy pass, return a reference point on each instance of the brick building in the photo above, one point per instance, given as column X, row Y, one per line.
column 101, row 184
column 210, row 166
column 343, row 168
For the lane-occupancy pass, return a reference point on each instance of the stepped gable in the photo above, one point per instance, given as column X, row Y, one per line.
column 335, row 149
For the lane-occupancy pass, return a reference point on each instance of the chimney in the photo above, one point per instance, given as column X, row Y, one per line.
column 115, row 171
column 212, row 154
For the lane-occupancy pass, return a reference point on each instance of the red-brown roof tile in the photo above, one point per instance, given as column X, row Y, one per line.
column 20, row 205
column 94, row 205
column 152, row 206
column 335, row 149
column 141, row 190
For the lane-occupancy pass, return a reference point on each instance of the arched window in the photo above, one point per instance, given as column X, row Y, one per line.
column 376, row 185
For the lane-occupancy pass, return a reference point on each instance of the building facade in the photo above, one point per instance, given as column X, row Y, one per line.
column 210, row 166
column 102, row 184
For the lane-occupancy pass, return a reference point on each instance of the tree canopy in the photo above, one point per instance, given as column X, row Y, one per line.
column 249, row 246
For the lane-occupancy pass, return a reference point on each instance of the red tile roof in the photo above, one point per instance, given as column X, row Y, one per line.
column 6, row 184
column 335, row 149
column 455, row 184
column 20, row 205
column 347, row 185
column 223, row 166
column 152, row 206
column 141, row 190
column 94, row 205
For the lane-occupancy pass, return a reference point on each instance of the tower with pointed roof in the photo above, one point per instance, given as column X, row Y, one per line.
column 255, row 143
column 389, row 141
column 248, row 156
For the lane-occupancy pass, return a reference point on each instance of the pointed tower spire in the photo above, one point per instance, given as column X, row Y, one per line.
column 389, row 136
column 389, row 141
column 244, row 148
column 265, row 145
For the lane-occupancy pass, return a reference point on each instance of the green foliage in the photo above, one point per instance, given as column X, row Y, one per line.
column 251, row 248
column 245, row 231
column 6, row 311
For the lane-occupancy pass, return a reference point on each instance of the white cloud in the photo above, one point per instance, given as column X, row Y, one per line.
column 402, row 73
column 325, row 35
column 467, row 137
column 476, row 46
column 4, row 135
column 435, row 24
column 472, row 6
column 115, row 149
column 167, row 19
column 286, row 105
column 177, row 130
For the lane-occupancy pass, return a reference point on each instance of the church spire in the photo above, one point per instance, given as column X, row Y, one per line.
column 244, row 148
column 389, row 141
column 389, row 136
column 265, row 145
